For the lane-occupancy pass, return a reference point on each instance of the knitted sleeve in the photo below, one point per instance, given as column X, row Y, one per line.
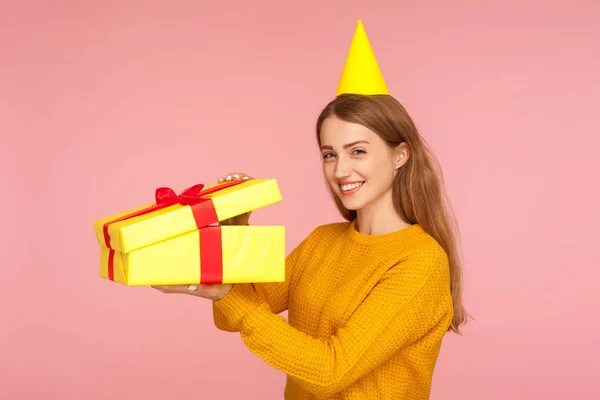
column 410, row 300
column 273, row 294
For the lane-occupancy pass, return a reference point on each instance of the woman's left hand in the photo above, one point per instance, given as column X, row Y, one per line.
column 211, row 292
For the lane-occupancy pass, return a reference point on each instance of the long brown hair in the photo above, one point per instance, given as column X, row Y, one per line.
column 419, row 193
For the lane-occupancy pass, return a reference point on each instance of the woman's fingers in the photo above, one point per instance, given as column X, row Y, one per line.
column 168, row 288
column 212, row 292
column 233, row 176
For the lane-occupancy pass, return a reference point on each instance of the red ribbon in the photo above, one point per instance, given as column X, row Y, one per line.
column 211, row 257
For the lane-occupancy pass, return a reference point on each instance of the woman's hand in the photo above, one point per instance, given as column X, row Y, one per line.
column 216, row 291
column 241, row 219
column 211, row 292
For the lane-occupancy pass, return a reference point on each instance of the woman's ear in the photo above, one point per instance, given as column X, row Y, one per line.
column 401, row 154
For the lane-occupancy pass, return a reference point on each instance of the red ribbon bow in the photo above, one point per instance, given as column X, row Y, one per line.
column 211, row 258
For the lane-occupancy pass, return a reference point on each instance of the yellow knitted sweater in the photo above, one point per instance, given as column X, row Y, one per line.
column 366, row 314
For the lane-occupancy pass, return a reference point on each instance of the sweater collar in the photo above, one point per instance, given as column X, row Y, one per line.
column 391, row 236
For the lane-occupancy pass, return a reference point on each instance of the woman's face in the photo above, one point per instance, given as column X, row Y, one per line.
column 358, row 165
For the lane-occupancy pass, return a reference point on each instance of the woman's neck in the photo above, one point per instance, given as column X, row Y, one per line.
column 379, row 218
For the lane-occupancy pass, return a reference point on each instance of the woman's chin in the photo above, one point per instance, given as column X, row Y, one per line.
column 350, row 204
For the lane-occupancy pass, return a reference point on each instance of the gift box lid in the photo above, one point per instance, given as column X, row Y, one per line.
column 173, row 215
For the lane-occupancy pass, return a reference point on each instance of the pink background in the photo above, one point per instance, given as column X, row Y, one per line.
column 101, row 102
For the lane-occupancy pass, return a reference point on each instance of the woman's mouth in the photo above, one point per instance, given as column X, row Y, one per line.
column 350, row 188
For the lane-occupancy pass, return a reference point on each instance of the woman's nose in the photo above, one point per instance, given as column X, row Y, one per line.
column 342, row 169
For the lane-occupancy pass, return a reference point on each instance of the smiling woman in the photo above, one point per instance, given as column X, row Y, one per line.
column 358, row 164
column 370, row 299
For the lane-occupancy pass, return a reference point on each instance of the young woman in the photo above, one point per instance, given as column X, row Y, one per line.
column 369, row 300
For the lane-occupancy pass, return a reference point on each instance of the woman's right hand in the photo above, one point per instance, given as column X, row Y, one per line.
column 241, row 219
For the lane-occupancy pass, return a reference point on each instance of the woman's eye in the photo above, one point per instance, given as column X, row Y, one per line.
column 327, row 155
column 358, row 152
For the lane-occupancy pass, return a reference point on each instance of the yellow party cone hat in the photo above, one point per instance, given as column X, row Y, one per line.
column 361, row 74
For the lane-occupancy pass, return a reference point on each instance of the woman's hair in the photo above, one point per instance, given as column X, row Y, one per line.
column 418, row 188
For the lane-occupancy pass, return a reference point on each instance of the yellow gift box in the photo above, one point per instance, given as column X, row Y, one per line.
column 178, row 239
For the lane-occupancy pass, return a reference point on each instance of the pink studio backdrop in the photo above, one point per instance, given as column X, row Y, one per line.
column 101, row 102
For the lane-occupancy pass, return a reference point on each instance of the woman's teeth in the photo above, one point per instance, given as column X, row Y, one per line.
column 351, row 186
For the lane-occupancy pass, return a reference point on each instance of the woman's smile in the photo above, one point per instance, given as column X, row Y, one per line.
column 350, row 188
